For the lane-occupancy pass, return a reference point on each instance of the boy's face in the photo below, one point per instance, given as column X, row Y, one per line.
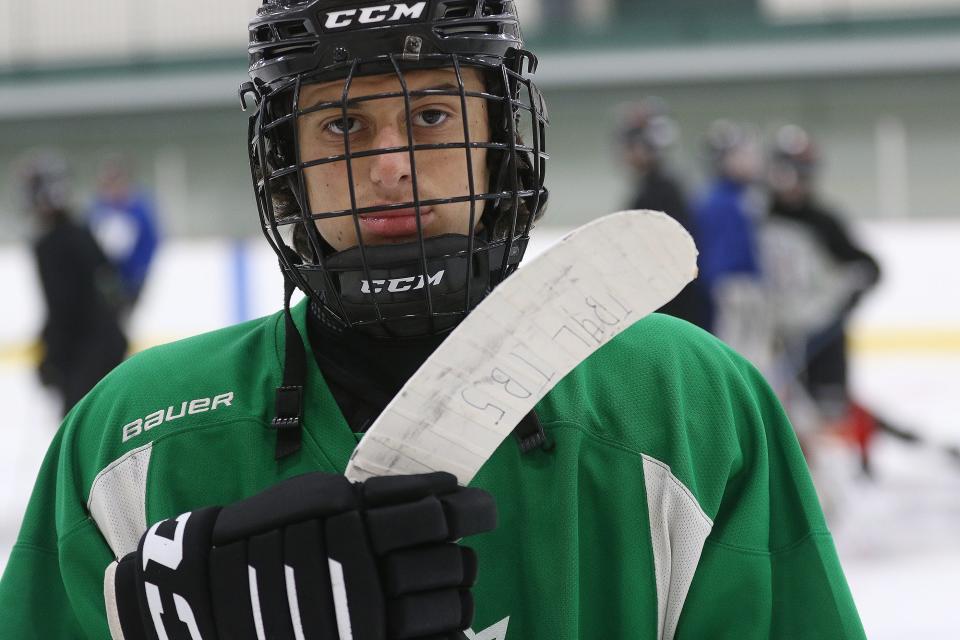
column 386, row 179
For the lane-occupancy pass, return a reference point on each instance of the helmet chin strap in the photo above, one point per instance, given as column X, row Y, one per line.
column 288, row 410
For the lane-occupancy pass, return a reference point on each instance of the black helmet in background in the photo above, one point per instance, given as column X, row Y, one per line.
column 646, row 131
column 794, row 161
column 44, row 182
column 733, row 151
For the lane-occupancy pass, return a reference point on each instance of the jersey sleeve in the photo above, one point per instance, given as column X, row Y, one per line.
column 769, row 568
column 52, row 586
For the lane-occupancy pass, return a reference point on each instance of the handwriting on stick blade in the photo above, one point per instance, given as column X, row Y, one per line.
column 519, row 374
column 478, row 401
column 533, row 362
column 500, row 389
column 593, row 323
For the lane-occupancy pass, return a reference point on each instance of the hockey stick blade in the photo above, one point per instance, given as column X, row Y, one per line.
column 529, row 333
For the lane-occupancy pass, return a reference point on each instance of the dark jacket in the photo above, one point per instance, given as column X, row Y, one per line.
column 82, row 337
column 659, row 192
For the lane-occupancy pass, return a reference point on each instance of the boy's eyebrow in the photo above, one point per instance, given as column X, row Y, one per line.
column 331, row 98
column 446, row 86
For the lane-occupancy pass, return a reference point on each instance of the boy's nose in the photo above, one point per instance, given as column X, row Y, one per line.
column 390, row 170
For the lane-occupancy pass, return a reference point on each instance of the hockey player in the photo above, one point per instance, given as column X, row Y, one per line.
column 82, row 338
column 823, row 247
column 646, row 133
column 816, row 274
column 657, row 492
column 726, row 217
column 123, row 218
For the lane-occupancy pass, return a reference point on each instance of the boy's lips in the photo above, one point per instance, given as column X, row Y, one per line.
column 395, row 223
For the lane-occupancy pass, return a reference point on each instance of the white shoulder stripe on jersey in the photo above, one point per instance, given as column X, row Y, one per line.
column 118, row 500
column 678, row 530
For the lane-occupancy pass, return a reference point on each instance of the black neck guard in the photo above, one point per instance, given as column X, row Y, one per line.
column 401, row 291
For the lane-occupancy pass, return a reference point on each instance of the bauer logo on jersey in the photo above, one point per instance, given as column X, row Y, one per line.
column 175, row 412
column 400, row 285
column 381, row 14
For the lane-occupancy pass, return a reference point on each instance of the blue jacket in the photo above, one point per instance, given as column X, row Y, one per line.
column 725, row 233
column 128, row 232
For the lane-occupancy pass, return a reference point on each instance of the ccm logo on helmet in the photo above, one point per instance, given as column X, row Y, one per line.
column 399, row 285
column 396, row 12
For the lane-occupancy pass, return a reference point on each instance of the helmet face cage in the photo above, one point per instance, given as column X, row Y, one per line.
column 507, row 206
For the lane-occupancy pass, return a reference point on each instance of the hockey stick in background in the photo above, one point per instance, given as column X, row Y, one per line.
column 913, row 438
column 529, row 333
column 799, row 357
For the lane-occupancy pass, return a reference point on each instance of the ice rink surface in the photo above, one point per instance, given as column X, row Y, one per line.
column 898, row 534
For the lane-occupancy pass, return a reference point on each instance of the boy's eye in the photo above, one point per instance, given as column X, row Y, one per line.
column 344, row 125
column 430, row 118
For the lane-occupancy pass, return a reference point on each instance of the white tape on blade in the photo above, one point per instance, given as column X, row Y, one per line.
column 529, row 333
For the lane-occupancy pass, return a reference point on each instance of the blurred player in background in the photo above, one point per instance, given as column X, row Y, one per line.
column 81, row 337
column 646, row 134
column 123, row 219
column 726, row 217
column 816, row 274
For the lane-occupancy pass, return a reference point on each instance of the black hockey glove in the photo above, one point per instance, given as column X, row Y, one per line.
column 315, row 557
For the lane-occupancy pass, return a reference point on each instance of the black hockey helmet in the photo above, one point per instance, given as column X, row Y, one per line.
column 424, row 286
column 722, row 138
column 732, row 149
column 648, row 123
column 45, row 182
column 794, row 149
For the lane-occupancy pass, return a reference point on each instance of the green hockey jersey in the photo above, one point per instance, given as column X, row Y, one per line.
column 675, row 502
